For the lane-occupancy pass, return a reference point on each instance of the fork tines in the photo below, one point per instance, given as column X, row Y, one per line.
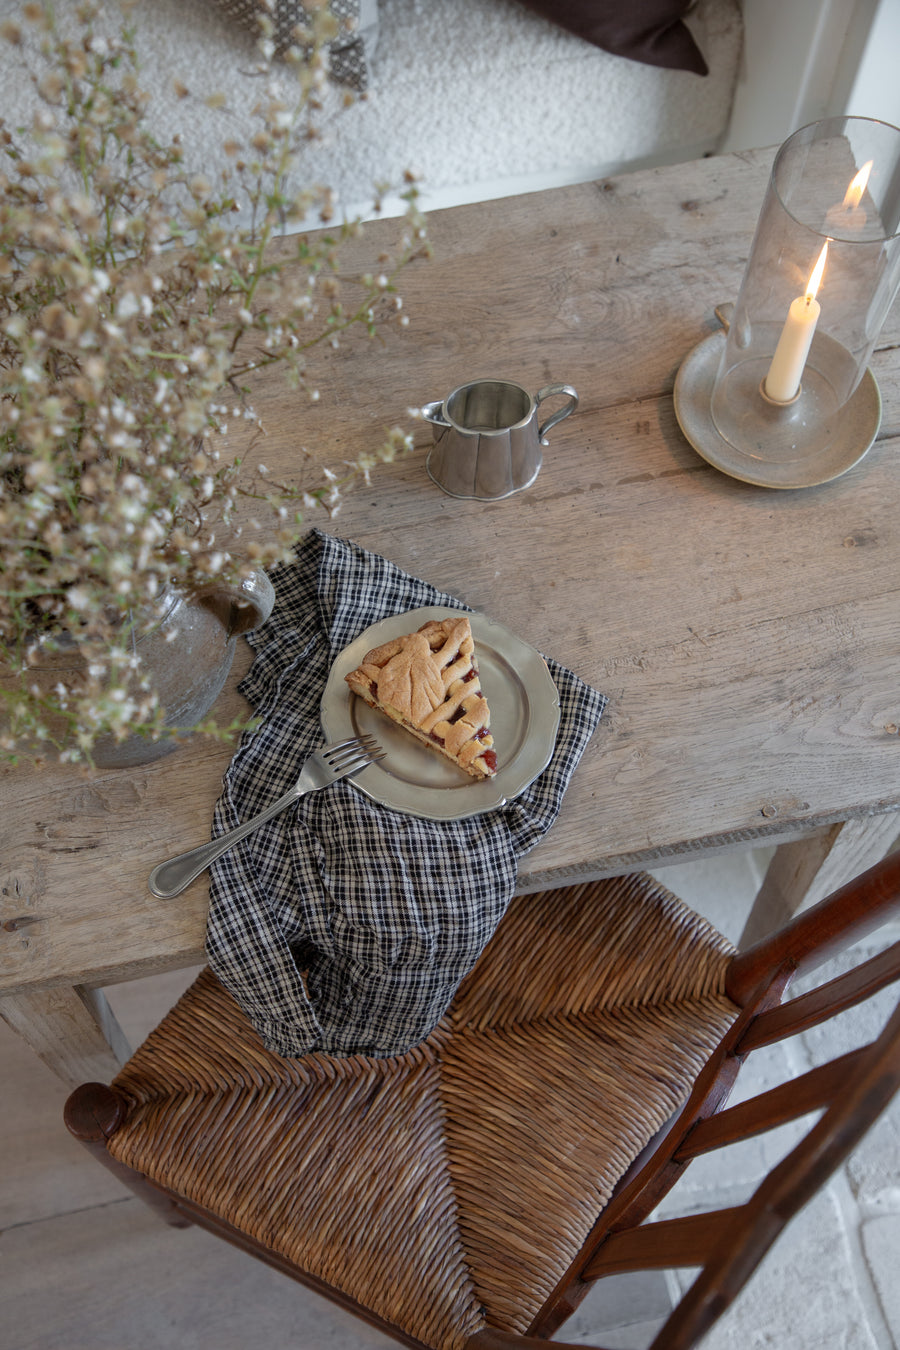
column 364, row 749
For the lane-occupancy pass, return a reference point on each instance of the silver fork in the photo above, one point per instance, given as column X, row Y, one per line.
column 326, row 766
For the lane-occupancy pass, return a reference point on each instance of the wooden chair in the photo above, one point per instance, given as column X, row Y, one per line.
column 468, row 1194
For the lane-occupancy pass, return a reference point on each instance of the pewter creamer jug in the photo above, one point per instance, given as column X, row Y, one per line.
column 487, row 439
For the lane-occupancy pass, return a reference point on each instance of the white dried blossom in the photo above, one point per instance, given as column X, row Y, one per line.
column 118, row 369
column 128, row 306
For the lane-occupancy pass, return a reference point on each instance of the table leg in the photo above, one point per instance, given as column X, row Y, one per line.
column 73, row 1030
column 803, row 871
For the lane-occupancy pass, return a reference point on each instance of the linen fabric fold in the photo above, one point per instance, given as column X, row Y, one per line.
column 342, row 925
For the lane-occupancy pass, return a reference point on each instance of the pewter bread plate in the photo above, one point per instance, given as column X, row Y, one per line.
column 524, row 704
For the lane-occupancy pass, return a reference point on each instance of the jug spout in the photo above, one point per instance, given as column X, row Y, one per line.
column 432, row 412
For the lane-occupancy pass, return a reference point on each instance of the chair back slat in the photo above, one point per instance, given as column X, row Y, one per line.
column 808, row 1010
column 788, row 1101
column 669, row 1243
column 786, row 1189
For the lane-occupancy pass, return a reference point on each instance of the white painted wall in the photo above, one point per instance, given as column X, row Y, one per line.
column 807, row 59
column 874, row 88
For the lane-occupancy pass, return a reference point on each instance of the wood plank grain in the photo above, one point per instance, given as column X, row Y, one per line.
column 69, row 1031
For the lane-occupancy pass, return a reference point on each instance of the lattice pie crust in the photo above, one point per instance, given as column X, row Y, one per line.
column 428, row 683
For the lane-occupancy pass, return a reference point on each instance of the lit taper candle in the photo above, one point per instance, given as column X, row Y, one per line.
column 786, row 371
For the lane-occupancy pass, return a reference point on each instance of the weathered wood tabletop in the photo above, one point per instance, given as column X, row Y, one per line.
column 748, row 639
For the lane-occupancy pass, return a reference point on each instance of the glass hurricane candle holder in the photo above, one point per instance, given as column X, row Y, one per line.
column 788, row 398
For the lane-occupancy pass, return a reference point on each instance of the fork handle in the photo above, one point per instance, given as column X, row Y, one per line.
column 172, row 877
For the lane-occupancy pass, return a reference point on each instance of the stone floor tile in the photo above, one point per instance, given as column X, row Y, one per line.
column 636, row 1336
column 874, row 1166
column 617, row 1304
column 123, row 1280
column 881, row 1245
column 44, row 1171
column 803, row 1294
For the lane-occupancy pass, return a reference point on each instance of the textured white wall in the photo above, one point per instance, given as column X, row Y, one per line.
column 483, row 97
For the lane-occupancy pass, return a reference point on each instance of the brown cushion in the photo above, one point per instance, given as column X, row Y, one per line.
column 650, row 31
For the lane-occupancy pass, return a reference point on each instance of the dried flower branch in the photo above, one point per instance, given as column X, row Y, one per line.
column 133, row 314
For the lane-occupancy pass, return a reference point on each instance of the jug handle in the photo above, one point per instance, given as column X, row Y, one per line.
column 547, row 392
column 432, row 413
column 239, row 608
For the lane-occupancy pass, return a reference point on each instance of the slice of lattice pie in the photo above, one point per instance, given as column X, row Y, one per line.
column 428, row 683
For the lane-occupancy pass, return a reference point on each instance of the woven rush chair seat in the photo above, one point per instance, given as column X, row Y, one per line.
column 453, row 1185
column 466, row 1195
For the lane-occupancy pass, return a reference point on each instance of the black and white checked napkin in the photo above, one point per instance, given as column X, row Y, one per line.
column 383, row 913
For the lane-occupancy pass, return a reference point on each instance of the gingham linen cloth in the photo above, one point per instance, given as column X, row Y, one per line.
column 342, row 925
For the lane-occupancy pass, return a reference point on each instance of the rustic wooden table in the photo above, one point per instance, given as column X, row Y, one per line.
column 748, row 639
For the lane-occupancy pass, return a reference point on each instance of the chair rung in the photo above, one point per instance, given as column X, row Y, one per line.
column 809, row 1092
column 688, row 1241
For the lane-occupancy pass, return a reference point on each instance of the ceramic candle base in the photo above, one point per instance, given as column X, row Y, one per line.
column 853, row 430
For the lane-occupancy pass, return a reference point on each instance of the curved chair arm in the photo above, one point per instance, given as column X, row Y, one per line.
column 815, row 935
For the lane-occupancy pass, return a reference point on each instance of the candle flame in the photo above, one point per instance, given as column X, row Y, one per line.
column 853, row 195
column 815, row 277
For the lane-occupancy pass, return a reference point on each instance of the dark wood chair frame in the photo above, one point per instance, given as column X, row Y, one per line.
column 726, row 1244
